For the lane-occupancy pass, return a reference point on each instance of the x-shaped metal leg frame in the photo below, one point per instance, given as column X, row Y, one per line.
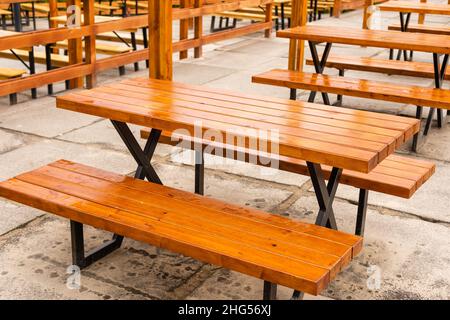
column 144, row 170
column 404, row 23
column 325, row 194
column 319, row 66
column 439, row 74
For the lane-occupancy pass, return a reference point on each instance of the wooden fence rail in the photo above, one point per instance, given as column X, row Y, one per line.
column 90, row 66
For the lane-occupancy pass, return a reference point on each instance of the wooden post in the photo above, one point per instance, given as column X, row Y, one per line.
column 297, row 47
column 198, row 29
column 75, row 50
column 269, row 18
column 89, row 42
column 160, row 39
column 184, row 28
column 367, row 14
column 337, row 8
column 421, row 18
column 53, row 6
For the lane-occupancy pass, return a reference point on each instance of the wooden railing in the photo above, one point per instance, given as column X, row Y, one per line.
column 90, row 65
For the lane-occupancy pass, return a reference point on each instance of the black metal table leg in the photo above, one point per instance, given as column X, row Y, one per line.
column 134, row 46
column 325, row 194
column 16, row 17
column 144, row 170
column 439, row 75
column 270, row 291
column 282, row 17
column 32, row 70
column 404, row 23
column 319, row 66
column 48, row 62
column 145, row 41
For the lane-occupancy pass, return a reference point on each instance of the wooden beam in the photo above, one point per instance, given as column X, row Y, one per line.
column 184, row 28
column 90, row 50
column 160, row 39
column 297, row 48
column 198, row 29
column 75, row 49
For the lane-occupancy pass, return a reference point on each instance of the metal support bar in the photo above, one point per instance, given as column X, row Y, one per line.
column 404, row 23
column 78, row 255
column 16, row 17
column 362, row 211
column 270, row 291
column 134, row 45
column 138, row 154
column 32, row 70
column 48, row 63
column 419, row 112
column 319, row 66
column 199, row 171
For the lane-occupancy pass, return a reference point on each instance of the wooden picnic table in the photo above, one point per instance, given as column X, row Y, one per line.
column 415, row 7
column 433, row 43
column 407, row 8
column 320, row 135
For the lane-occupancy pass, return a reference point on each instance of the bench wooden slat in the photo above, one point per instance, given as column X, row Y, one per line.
column 370, row 38
column 176, row 220
column 9, row 73
column 423, row 28
column 406, row 6
column 396, row 175
column 392, row 67
column 39, row 57
column 416, row 95
column 101, row 48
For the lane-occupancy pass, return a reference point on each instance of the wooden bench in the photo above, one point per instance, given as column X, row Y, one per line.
column 371, row 89
column 11, row 73
column 112, row 37
column 422, row 28
column 102, row 48
column 275, row 249
column 39, row 57
column 396, row 175
column 377, row 65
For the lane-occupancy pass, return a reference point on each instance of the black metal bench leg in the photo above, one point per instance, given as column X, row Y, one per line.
column 298, row 295
column 293, row 94
column 13, row 99
column 134, row 46
column 270, row 291
column 199, row 172
column 32, row 65
column 82, row 260
column 145, row 41
column 121, row 70
column 48, row 62
column 340, row 97
column 419, row 112
column 362, row 211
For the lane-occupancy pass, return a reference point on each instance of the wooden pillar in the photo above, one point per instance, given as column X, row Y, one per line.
column 75, row 50
column 269, row 18
column 421, row 18
column 337, row 8
column 198, row 30
column 184, row 28
column 160, row 39
column 297, row 47
column 367, row 14
column 89, row 42
column 53, row 6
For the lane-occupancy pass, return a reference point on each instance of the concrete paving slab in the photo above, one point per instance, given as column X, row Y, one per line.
column 43, row 152
column 430, row 202
column 403, row 258
column 9, row 141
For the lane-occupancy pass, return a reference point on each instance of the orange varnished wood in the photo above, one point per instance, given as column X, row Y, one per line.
column 351, row 140
column 298, row 255
column 423, row 28
column 396, row 175
column 371, row 38
column 391, row 67
column 371, row 89
column 417, row 7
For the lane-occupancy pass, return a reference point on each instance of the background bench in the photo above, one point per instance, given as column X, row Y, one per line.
column 11, row 73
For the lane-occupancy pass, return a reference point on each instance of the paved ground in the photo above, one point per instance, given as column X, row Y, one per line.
column 406, row 253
